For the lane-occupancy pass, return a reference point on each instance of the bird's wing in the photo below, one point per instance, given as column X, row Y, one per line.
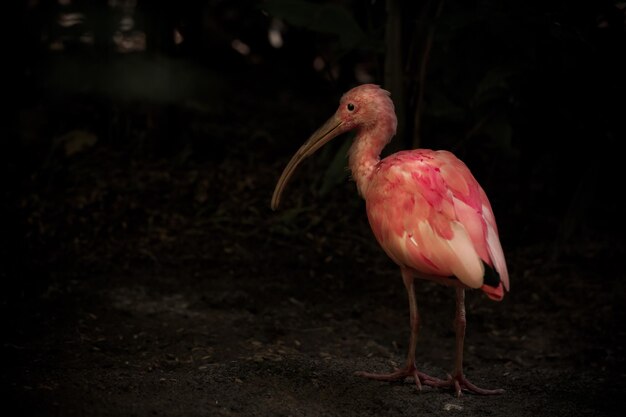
column 429, row 213
column 474, row 211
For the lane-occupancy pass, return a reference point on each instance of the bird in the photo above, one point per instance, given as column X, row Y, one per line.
column 428, row 213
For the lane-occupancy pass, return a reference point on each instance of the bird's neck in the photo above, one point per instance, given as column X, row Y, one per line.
column 365, row 151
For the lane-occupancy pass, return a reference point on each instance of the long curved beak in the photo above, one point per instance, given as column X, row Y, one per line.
column 322, row 136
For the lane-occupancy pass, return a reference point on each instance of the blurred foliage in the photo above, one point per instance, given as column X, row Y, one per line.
column 336, row 172
column 330, row 18
column 506, row 85
column 509, row 86
column 75, row 142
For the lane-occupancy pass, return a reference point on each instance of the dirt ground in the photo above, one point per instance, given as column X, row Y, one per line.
column 143, row 284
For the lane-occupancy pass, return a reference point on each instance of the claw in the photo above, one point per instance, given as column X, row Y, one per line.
column 460, row 384
column 420, row 378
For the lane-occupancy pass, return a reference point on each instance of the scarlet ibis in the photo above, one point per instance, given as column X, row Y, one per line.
column 428, row 213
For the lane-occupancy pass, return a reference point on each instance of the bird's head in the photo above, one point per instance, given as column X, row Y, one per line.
column 363, row 106
column 360, row 108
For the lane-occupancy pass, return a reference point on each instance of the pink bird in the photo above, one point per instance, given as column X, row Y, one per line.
column 428, row 213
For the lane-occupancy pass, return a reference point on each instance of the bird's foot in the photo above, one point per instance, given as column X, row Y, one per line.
column 420, row 378
column 460, row 384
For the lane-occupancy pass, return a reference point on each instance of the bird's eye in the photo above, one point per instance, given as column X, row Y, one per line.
column 350, row 107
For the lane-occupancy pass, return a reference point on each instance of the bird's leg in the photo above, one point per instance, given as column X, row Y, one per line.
column 458, row 380
column 409, row 369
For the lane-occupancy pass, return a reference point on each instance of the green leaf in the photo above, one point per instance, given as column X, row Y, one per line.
column 76, row 141
column 336, row 172
column 493, row 85
column 500, row 131
column 439, row 105
column 328, row 18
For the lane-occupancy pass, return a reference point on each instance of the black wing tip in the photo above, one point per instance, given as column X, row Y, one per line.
column 491, row 277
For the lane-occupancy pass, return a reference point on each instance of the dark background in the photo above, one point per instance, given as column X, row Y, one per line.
column 144, row 273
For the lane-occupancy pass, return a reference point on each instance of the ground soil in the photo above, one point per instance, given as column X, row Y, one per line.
column 141, row 284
